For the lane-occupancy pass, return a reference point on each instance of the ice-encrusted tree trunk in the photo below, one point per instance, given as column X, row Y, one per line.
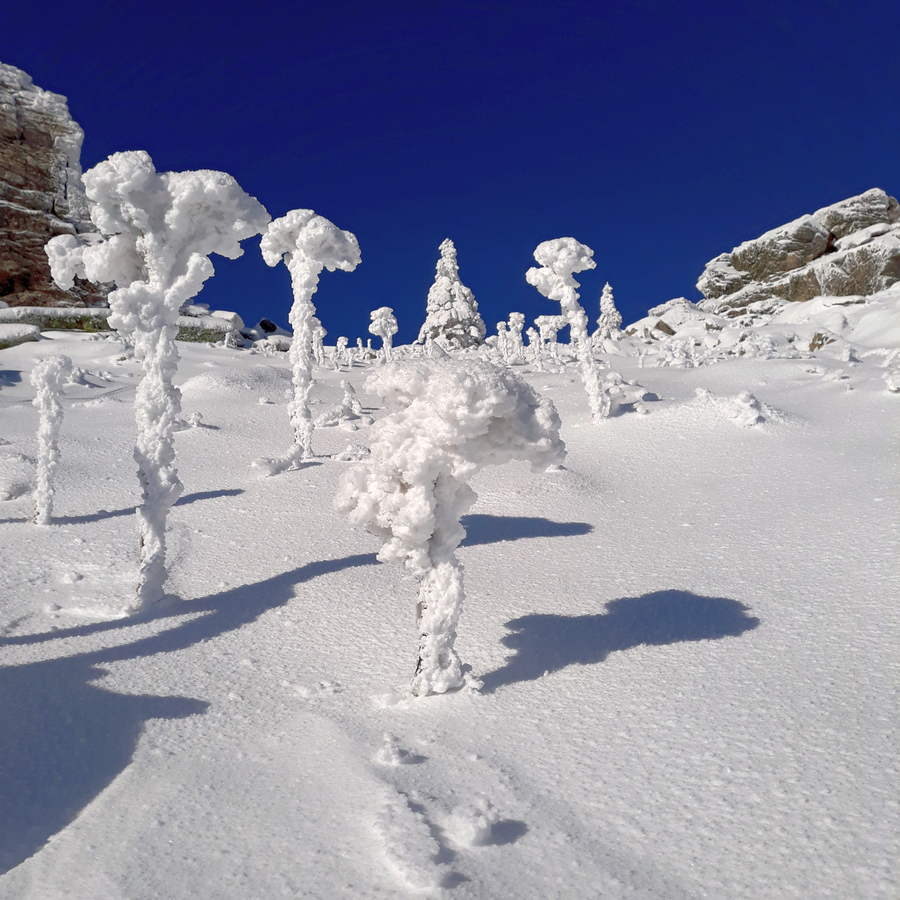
column 308, row 243
column 157, row 231
column 560, row 259
column 384, row 325
column 455, row 417
column 451, row 317
column 609, row 324
column 48, row 377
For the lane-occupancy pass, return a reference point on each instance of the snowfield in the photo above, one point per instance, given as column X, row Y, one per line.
column 687, row 639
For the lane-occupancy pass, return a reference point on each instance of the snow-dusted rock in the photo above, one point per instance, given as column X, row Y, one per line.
column 17, row 333
column 851, row 247
column 41, row 192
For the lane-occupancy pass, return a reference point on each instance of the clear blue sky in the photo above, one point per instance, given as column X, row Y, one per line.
column 658, row 133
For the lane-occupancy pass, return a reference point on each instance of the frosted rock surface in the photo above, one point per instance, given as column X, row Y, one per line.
column 41, row 192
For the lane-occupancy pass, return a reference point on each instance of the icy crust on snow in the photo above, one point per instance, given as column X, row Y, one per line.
column 412, row 490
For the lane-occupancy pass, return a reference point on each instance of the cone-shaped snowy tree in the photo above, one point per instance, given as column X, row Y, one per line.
column 384, row 325
column 609, row 325
column 308, row 243
column 560, row 259
column 48, row 377
column 412, row 490
column 157, row 230
column 452, row 318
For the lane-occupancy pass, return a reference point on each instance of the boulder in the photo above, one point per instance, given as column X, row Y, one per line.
column 41, row 192
column 848, row 248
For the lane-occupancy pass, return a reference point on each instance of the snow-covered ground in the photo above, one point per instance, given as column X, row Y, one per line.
column 687, row 637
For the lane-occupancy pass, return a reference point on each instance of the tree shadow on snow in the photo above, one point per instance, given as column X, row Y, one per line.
column 485, row 529
column 9, row 377
column 130, row 510
column 63, row 739
column 545, row 643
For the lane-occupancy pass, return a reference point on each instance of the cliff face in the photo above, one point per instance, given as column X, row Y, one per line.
column 41, row 193
column 849, row 249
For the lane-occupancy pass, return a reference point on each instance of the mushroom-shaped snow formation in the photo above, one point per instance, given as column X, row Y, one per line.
column 156, row 231
column 384, row 325
column 308, row 243
column 455, row 418
column 560, row 259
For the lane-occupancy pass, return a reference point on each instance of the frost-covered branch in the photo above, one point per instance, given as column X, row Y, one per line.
column 308, row 243
column 48, row 377
column 455, row 418
column 560, row 259
column 156, row 232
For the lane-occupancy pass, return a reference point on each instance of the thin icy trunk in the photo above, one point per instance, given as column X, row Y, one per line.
column 157, row 406
column 304, row 280
column 48, row 377
column 441, row 593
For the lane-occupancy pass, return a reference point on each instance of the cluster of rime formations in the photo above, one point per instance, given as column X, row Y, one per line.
column 458, row 404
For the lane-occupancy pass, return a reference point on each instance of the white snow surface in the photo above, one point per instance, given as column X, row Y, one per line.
column 687, row 637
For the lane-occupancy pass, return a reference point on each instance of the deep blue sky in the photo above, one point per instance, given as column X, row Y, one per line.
column 658, row 133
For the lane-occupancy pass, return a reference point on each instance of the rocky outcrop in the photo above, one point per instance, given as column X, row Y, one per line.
column 41, row 194
column 850, row 248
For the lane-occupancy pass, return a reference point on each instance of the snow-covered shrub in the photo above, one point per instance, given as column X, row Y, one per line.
column 318, row 341
column 347, row 413
column 451, row 316
column 560, row 259
column 503, row 341
column 515, row 348
column 535, row 347
column 549, row 327
column 384, row 325
column 307, row 243
column 455, row 417
column 341, row 355
column 609, row 325
column 48, row 377
column 156, row 233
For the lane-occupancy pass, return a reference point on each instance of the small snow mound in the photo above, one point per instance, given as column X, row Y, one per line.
column 409, row 847
column 351, row 454
column 472, row 824
column 259, row 379
column 392, row 754
column 744, row 409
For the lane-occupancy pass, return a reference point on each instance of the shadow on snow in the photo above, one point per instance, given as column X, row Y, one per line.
column 548, row 643
column 63, row 739
column 186, row 500
column 485, row 529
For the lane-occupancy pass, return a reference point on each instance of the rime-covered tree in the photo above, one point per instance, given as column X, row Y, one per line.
column 609, row 324
column 157, row 231
column 307, row 243
column 384, row 325
column 515, row 347
column 48, row 377
column 560, row 259
column 455, row 417
column 451, row 318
